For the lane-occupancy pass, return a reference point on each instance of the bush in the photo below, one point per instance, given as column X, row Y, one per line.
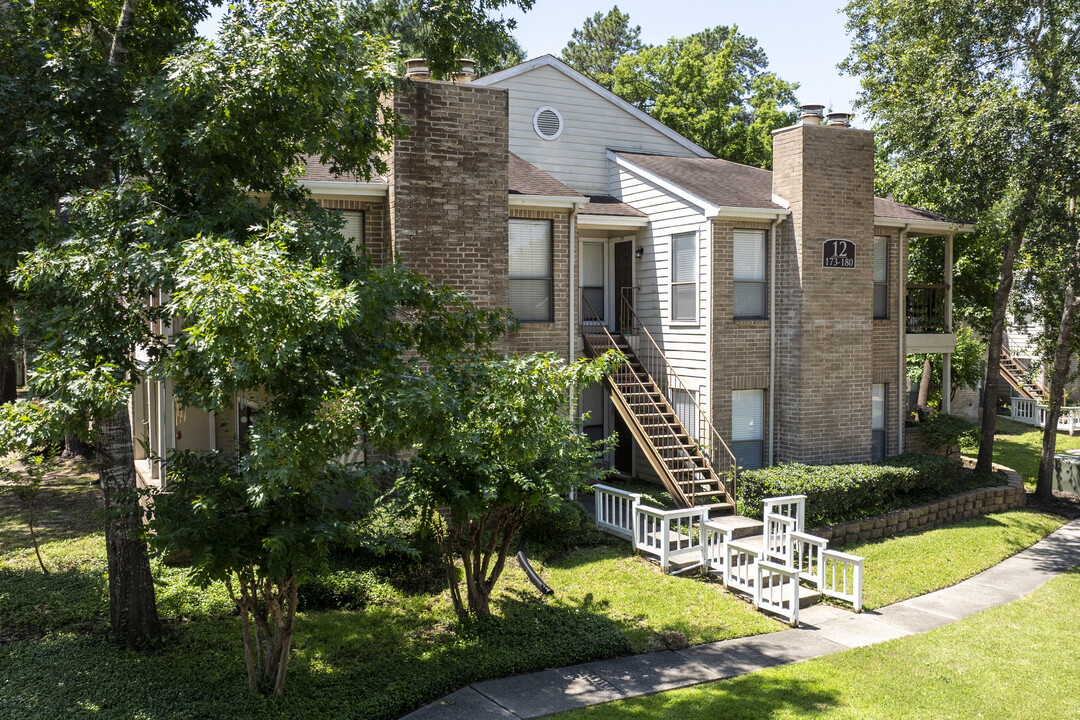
column 941, row 432
column 839, row 493
column 557, row 520
column 344, row 589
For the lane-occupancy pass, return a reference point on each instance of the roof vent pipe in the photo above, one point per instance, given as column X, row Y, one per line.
column 811, row 114
column 839, row 119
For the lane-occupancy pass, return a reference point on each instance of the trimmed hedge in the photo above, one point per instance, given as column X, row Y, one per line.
column 841, row 493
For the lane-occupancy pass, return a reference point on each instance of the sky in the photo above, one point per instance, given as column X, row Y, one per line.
column 803, row 40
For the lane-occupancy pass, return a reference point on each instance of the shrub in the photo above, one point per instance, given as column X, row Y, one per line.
column 941, row 432
column 556, row 520
column 839, row 493
column 344, row 589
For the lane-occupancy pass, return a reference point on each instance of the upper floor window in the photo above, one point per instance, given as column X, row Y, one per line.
column 353, row 229
column 749, row 273
column 531, row 291
column 684, row 271
column 881, row 277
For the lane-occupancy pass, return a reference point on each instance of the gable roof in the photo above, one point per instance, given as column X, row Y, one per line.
column 556, row 64
column 719, row 182
column 527, row 179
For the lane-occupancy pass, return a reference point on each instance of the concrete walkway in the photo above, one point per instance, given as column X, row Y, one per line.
column 823, row 630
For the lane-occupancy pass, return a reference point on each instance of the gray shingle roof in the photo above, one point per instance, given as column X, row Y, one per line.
column 607, row 205
column 527, row 179
column 317, row 172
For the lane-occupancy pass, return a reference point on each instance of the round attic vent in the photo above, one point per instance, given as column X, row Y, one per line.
column 548, row 123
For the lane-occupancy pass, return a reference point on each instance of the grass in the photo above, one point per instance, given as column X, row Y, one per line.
column 909, row 565
column 1019, row 446
column 1016, row 660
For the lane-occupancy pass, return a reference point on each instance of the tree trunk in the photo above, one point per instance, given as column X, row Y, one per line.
column 993, row 352
column 8, row 387
column 924, row 383
column 118, row 52
column 76, row 449
column 132, row 611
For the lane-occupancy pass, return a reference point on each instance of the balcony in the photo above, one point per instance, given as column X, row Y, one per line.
column 929, row 327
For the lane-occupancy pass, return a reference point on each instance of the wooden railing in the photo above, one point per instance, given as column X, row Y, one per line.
column 720, row 458
column 926, row 309
column 679, row 466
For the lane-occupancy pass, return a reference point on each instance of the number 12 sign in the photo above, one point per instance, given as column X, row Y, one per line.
column 837, row 253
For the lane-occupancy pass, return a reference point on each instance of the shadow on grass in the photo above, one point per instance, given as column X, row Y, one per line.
column 67, row 508
column 33, row 601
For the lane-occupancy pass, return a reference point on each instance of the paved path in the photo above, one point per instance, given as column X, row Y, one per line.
column 824, row 629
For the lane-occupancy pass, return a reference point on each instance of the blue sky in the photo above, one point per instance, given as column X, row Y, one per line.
column 803, row 40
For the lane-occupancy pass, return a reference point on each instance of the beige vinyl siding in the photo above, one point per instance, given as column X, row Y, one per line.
column 591, row 125
column 686, row 345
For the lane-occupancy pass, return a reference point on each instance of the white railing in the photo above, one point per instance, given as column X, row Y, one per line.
column 778, row 530
column 777, row 590
column 842, row 577
column 615, row 510
column 792, row 506
column 716, row 537
column 1031, row 412
column 671, row 535
column 740, row 561
column 806, row 556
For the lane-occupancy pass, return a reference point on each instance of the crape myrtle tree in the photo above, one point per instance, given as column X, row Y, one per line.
column 129, row 139
column 973, row 104
column 296, row 317
column 510, row 444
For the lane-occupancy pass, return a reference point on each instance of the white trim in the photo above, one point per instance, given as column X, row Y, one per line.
column 547, row 201
column 536, row 124
column 672, row 320
column 556, row 64
column 741, row 213
column 361, row 189
column 708, row 209
column 924, row 227
column 611, row 222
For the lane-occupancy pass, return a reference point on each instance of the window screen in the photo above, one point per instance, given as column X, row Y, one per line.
column 684, row 269
column 354, row 227
column 530, row 270
column 749, row 272
column 877, row 404
column 881, row 277
column 592, row 279
column 747, row 428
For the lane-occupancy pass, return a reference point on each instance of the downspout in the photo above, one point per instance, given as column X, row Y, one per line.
column 571, row 290
column 901, row 364
column 772, row 338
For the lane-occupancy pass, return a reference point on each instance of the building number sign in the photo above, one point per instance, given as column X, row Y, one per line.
column 838, row 254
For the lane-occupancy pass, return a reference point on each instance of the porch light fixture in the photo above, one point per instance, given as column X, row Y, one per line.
column 639, row 252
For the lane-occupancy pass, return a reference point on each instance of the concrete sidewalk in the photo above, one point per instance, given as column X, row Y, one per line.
column 824, row 629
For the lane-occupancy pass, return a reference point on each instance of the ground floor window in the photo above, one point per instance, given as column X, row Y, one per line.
column 877, row 403
column 747, row 428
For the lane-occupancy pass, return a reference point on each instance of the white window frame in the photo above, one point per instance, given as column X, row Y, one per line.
column 605, row 303
column 551, row 268
column 735, row 441
column 762, row 283
column 884, row 240
column 359, row 243
column 696, row 320
column 884, row 429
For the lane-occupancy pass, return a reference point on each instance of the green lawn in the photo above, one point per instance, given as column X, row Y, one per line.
column 1014, row 661
column 1019, row 446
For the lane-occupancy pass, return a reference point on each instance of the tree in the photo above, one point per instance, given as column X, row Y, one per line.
column 282, row 316
column 596, row 47
column 713, row 88
column 129, row 138
column 969, row 103
column 966, row 370
column 510, row 445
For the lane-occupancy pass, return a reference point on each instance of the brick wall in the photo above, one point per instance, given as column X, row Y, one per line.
column 449, row 188
column 375, row 239
column 824, row 315
column 885, row 341
column 549, row 336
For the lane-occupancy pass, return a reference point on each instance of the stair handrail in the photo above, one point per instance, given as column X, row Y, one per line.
column 594, row 322
column 1018, row 382
column 729, row 467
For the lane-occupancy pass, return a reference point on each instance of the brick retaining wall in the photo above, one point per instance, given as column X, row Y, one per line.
column 934, row 514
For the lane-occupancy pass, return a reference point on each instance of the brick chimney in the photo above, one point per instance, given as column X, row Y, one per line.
column 824, row 318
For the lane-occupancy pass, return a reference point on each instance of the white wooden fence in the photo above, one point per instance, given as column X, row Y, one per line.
column 675, row 536
column 1031, row 412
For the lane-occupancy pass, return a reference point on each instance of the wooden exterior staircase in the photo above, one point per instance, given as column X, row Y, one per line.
column 1019, row 376
column 695, row 464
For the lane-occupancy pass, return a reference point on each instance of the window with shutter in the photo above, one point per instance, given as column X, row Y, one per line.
column 684, row 271
column 592, row 280
column 747, row 428
column 881, row 277
column 531, row 294
column 749, row 273
column 877, row 413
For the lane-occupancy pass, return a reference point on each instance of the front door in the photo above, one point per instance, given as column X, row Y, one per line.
column 624, row 278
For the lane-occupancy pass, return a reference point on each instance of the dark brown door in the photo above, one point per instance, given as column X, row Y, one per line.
column 624, row 451
column 624, row 277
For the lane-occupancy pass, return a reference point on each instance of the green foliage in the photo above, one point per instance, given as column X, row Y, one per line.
column 713, row 88
column 557, row 519
column 941, row 431
column 839, row 493
column 596, row 47
column 968, row 365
